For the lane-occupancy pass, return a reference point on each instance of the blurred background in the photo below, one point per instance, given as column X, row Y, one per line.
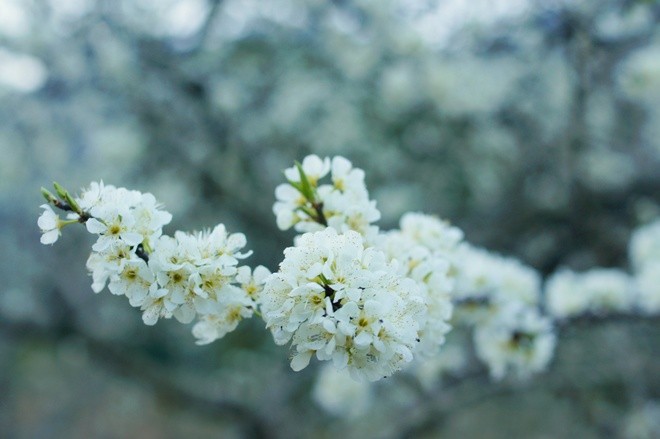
column 534, row 125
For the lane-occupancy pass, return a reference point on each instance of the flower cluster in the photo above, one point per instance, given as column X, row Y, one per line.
column 487, row 282
column 184, row 276
column 367, row 300
column 603, row 291
column 339, row 300
column 423, row 247
column 426, row 253
column 308, row 206
column 499, row 296
column 597, row 291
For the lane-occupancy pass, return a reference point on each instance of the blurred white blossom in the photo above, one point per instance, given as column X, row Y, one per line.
column 518, row 341
column 340, row 395
column 597, row 291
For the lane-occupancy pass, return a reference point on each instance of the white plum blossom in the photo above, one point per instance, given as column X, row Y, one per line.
column 185, row 276
column 597, row 291
column 135, row 280
column 431, row 232
column 222, row 315
column 337, row 300
column 196, row 271
column 370, row 302
column 49, row 223
column 563, row 296
column 252, row 281
column 314, row 167
column 114, row 226
column 118, row 214
column 108, row 263
column 309, row 206
column 518, row 341
column 430, row 270
column 486, row 282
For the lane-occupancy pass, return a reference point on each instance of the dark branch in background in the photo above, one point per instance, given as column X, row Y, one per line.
column 131, row 363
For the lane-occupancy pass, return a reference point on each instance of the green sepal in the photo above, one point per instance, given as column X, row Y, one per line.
column 50, row 198
column 295, row 184
column 66, row 196
column 61, row 192
column 305, row 188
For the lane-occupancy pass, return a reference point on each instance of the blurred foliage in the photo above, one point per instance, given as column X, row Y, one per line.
column 533, row 125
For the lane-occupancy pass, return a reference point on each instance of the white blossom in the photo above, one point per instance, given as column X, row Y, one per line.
column 195, row 271
column 518, row 341
column 430, row 270
column 433, row 233
column 252, row 281
column 597, row 291
column 315, row 168
column 49, row 223
column 563, row 296
column 185, row 276
column 114, row 225
column 486, row 282
column 118, row 214
column 222, row 315
column 111, row 262
column 337, row 300
column 343, row 203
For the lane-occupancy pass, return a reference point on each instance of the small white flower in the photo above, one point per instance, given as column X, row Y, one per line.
column 103, row 265
column 135, row 281
column 314, row 167
column 252, row 281
column 49, row 223
column 518, row 340
column 222, row 315
column 114, row 226
column 564, row 296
